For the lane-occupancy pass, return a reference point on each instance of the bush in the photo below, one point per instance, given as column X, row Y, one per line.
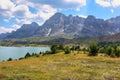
column 112, row 54
column 21, row 58
column 77, row 48
column 102, row 50
column 93, row 49
column 84, row 50
column 110, row 51
column 67, row 50
column 27, row 55
column 60, row 47
column 33, row 54
column 47, row 52
column 117, row 51
column 73, row 48
column 10, row 59
column 54, row 48
column 36, row 55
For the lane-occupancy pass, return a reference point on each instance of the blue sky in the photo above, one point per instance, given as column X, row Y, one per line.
column 15, row 13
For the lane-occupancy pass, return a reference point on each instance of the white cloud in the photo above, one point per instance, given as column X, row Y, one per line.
column 82, row 16
column 5, row 30
column 19, row 10
column 6, row 4
column 15, row 26
column 104, row 3
column 6, row 7
column 19, row 1
column 45, row 11
column 25, row 16
column 23, row 21
column 80, row 2
column 108, row 3
column 6, row 20
column 116, row 3
column 22, row 11
column 9, row 30
column 61, row 4
column 75, row 4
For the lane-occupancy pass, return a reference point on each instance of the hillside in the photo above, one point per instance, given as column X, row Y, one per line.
column 112, row 38
column 62, row 67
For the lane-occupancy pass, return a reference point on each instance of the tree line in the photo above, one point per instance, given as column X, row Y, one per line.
column 93, row 49
column 112, row 50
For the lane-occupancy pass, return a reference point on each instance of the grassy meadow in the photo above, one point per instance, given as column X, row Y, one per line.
column 62, row 66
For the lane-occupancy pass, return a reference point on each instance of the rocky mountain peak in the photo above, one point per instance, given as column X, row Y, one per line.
column 91, row 18
column 60, row 24
column 34, row 24
column 57, row 15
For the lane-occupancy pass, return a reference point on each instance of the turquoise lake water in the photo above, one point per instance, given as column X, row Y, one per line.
column 18, row 52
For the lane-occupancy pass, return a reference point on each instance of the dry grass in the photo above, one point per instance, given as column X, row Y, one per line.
column 62, row 67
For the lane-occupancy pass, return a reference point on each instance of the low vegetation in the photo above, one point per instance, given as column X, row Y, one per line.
column 110, row 49
column 95, row 62
column 67, row 50
column 93, row 50
column 62, row 67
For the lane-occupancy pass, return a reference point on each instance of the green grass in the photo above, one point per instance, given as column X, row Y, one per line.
column 61, row 67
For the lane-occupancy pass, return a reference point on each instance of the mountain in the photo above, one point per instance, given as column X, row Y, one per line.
column 60, row 24
column 112, row 38
column 27, row 30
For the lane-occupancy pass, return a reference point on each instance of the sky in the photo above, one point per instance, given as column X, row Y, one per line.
column 15, row 13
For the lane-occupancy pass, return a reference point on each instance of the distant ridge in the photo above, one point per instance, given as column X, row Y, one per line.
column 60, row 24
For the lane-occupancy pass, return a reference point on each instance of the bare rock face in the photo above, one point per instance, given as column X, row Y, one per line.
column 59, row 24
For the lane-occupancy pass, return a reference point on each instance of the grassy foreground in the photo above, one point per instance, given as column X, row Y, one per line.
column 62, row 67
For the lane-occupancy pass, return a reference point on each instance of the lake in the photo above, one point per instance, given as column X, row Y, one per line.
column 18, row 52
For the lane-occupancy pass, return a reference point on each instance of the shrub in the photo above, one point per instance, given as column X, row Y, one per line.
column 117, row 52
column 33, row 54
column 47, row 52
column 54, row 48
column 60, row 47
column 73, row 48
column 10, row 59
column 93, row 49
column 110, row 51
column 36, row 55
column 40, row 52
column 112, row 54
column 67, row 50
column 27, row 55
column 21, row 58
column 102, row 50
column 84, row 50
column 77, row 48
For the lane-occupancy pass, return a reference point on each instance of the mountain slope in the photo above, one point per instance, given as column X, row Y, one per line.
column 60, row 24
column 112, row 38
column 27, row 30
